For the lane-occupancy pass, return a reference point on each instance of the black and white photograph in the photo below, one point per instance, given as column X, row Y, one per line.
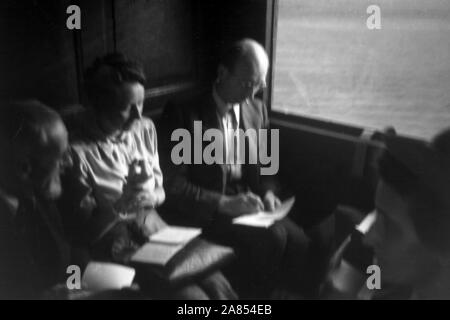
column 247, row 151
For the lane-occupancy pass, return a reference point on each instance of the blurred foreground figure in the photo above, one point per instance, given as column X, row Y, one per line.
column 33, row 252
column 409, row 236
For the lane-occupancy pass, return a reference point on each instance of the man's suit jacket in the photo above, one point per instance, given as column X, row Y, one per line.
column 33, row 252
column 194, row 190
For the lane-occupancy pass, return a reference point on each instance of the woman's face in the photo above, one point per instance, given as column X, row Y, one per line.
column 401, row 256
column 125, row 106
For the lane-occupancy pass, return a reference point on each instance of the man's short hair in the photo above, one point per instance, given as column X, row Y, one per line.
column 23, row 123
column 108, row 71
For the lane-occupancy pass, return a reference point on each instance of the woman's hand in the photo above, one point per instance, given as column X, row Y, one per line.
column 149, row 222
column 138, row 173
column 134, row 196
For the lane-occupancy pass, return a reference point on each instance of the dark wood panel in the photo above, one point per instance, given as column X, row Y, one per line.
column 97, row 29
column 37, row 55
column 317, row 166
column 220, row 22
column 178, row 41
column 159, row 33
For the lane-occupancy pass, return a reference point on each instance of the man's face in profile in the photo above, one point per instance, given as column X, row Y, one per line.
column 245, row 80
column 48, row 164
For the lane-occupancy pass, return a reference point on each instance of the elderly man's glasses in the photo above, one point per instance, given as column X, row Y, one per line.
column 253, row 85
column 250, row 84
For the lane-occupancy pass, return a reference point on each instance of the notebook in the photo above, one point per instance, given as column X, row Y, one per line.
column 265, row 219
column 164, row 244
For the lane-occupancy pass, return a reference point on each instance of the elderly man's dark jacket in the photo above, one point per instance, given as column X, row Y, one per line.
column 193, row 190
column 33, row 252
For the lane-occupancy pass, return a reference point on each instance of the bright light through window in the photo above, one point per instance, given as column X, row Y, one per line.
column 330, row 65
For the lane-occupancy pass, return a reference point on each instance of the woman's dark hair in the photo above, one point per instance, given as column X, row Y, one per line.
column 428, row 210
column 109, row 71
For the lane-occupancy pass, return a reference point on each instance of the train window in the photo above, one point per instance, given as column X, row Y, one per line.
column 346, row 62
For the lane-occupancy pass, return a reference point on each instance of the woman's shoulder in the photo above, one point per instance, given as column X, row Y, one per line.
column 146, row 122
column 144, row 125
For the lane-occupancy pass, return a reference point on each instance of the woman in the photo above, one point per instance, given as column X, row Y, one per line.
column 115, row 184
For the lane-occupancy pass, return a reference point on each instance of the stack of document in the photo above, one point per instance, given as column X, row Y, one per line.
column 100, row 276
column 265, row 219
column 164, row 244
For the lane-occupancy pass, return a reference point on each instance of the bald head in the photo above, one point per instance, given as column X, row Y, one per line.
column 245, row 51
column 242, row 71
column 33, row 139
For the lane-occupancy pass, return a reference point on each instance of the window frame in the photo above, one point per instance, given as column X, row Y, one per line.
column 301, row 121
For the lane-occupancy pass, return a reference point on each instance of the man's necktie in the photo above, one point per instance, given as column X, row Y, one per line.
column 232, row 145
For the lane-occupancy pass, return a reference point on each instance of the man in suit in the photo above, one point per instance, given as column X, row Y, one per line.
column 211, row 195
column 33, row 252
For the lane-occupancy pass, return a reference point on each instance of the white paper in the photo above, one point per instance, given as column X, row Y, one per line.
column 367, row 222
column 156, row 253
column 175, row 235
column 265, row 219
column 100, row 276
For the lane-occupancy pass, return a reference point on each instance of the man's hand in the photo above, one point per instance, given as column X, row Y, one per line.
column 271, row 201
column 234, row 206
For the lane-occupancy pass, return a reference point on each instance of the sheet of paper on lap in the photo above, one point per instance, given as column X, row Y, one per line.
column 265, row 219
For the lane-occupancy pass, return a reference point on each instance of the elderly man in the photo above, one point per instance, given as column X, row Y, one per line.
column 212, row 195
column 33, row 252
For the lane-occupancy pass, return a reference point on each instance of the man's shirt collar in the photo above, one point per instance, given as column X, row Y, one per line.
column 222, row 107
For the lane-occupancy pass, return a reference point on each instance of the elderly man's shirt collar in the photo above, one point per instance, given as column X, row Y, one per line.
column 222, row 107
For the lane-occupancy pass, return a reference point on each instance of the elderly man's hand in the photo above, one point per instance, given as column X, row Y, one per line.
column 271, row 201
column 243, row 203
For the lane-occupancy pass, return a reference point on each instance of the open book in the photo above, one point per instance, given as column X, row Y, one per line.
column 265, row 219
column 164, row 244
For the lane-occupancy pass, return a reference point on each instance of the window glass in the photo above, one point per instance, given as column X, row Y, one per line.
column 329, row 64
